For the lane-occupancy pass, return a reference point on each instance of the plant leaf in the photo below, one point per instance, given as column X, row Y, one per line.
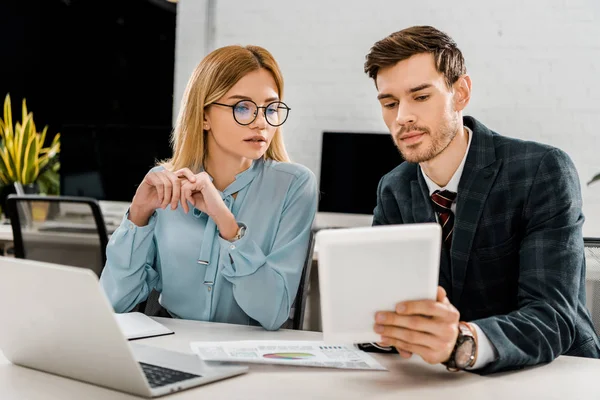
column 21, row 140
column 7, row 134
column 30, row 164
column 8, row 114
column 594, row 179
column 55, row 140
column 24, row 110
column 43, row 136
column 49, row 182
column 7, row 162
column 3, row 178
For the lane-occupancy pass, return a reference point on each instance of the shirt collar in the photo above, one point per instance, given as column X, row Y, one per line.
column 454, row 181
column 242, row 179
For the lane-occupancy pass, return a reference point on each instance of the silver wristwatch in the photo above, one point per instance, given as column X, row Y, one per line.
column 240, row 233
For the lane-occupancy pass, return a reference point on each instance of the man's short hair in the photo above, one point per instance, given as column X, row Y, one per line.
column 415, row 40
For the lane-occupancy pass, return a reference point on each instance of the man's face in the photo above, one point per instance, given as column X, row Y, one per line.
column 418, row 107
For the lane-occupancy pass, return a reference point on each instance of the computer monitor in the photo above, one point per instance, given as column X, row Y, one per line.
column 352, row 164
column 109, row 162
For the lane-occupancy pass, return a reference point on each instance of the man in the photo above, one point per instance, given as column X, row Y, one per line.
column 512, row 270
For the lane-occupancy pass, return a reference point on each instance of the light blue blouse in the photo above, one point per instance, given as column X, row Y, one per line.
column 202, row 276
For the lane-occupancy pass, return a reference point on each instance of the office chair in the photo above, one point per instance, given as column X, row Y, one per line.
column 152, row 307
column 59, row 229
column 298, row 308
column 592, row 281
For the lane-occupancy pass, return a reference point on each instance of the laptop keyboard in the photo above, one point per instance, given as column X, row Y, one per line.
column 161, row 376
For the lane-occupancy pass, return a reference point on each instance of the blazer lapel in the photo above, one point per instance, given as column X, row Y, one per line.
column 479, row 173
column 423, row 212
column 421, row 205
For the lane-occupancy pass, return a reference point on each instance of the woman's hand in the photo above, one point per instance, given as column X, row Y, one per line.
column 158, row 190
column 203, row 195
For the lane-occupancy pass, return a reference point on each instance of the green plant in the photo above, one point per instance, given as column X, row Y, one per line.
column 594, row 179
column 23, row 158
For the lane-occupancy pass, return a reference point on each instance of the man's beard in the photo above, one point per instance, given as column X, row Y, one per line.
column 439, row 142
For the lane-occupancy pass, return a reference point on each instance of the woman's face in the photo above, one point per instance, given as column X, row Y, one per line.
column 229, row 137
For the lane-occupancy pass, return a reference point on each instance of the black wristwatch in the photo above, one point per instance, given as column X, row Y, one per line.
column 465, row 349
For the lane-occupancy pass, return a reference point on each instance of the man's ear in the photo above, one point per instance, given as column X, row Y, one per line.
column 462, row 92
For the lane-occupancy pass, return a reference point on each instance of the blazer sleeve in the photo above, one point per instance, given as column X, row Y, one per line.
column 551, row 260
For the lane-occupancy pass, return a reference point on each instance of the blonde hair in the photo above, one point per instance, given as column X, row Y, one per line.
column 214, row 76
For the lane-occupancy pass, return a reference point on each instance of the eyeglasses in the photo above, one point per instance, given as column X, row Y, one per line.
column 246, row 111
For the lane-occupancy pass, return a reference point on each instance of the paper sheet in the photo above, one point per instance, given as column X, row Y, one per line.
column 301, row 353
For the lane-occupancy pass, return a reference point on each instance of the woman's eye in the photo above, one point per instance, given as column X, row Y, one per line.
column 242, row 109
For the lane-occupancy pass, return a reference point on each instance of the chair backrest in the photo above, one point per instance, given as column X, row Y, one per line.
column 296, row 320
column 59, row 229
column 592, row 281
column 151, row 306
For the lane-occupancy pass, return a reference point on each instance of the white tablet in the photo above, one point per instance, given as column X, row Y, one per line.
column 370, row 269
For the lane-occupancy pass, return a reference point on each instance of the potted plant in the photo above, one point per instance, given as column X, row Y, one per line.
column 23, row 159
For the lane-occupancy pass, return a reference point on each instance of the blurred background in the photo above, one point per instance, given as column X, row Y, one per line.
column 109, row 76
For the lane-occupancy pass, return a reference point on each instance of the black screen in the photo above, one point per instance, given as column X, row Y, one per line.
column 89, row 62
column 100, row 72
column 109, row 162
column 351, row 166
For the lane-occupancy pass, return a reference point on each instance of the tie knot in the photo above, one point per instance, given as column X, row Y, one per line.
column 443, row 198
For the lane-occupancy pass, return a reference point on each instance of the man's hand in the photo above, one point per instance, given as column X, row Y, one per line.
column 425, row 327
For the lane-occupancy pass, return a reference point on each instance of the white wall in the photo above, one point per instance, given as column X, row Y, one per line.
column 535, row 65
column 192, row 42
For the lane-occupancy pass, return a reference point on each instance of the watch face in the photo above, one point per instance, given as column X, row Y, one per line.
column 464, row 353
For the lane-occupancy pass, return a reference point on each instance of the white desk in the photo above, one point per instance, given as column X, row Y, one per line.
column 565, row 378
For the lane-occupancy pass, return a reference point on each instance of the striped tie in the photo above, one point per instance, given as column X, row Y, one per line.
column 442, row 203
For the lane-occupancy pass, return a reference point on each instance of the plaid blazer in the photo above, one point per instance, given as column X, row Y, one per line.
column 517, row 263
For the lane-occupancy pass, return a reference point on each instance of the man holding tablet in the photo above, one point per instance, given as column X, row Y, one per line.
column 512, row 267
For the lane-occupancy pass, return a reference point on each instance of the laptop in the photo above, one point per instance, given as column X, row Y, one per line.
column 368, row 269
column 60, row 321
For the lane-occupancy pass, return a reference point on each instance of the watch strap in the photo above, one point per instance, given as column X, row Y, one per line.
column 464, row 333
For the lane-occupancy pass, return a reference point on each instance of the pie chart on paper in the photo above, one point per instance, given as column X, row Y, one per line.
column 288, row 356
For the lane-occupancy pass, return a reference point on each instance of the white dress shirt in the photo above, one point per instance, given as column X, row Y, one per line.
column 486, row 352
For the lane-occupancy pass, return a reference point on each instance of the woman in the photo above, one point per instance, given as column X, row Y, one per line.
column 221, row 229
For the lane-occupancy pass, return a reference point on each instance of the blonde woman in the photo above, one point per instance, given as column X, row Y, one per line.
column 222, row 228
